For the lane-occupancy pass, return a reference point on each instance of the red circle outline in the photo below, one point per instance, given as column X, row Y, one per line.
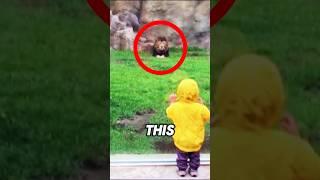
column 184, row 47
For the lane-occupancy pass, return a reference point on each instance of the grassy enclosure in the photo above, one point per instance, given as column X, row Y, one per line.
column 133, row 90
column 53, row 76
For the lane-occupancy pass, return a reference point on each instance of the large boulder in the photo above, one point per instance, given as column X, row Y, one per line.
column 122, row 27
column 192, row 17
column 131, row 6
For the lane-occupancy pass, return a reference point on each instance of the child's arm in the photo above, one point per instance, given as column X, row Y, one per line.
column 200, row 100
column 172, row 98
column 205, row 113
column 289, row 125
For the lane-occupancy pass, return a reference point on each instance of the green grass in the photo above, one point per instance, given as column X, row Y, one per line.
column 53, row 91
column 133, row 89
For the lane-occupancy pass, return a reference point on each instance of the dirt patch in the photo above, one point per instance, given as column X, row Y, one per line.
column 313, row 86
column 299, row 56
column 34, row 3
column 91, row 175
column 125, row 61
column 198, row 54
column 167, row 146
column 93, row 169
column 138, row 121
column 91, row 164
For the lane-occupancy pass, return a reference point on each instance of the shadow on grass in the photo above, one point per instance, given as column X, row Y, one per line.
column 166, row 145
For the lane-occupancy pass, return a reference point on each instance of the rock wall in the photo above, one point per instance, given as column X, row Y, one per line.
column 192, row 17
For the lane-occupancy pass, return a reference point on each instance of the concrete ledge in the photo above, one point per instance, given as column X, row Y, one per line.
column 150, row 159
column 152, row 166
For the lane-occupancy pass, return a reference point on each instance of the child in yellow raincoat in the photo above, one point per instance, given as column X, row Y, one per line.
column 246, row 145
column 189, row 116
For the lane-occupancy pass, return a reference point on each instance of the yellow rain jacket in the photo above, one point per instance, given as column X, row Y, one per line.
column 245, row 143
column 189, row 117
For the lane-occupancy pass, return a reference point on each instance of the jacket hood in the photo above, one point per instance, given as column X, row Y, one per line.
column 188, row 91
column 249, row 94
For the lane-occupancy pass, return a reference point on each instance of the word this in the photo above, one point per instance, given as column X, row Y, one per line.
column 160, row 129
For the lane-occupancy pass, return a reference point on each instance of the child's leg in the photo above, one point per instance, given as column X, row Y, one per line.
column 182, row 160
column 194, row 160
